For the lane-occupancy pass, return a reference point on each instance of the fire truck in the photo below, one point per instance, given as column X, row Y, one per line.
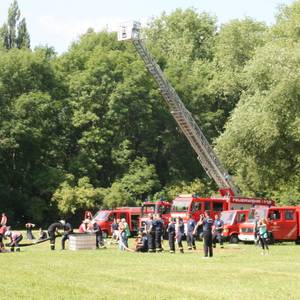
column 161, row 207
column 185, row 205
column 209, row 160
column 283, row 224
column 106, row 217
column 232, row 220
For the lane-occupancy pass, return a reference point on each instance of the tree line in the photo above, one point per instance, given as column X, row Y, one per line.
column 88, row 128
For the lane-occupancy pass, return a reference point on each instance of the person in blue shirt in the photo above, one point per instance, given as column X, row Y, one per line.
column 190, row 237
column 150, row 229
column 207, row 222
column 159, row 227
column 171, row 234
column 218, row 231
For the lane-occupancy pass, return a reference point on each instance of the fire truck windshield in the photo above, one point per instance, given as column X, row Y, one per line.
column 101, row 216
column 180, row 205
column 148, row 209
column 261, row 212
column 227, row 217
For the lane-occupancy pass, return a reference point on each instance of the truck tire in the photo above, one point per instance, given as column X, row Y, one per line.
column 104, row 234
column 271, row 240
column 234, row 239
column 297, row 242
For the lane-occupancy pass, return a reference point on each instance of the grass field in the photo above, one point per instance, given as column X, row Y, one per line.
column 235, row 272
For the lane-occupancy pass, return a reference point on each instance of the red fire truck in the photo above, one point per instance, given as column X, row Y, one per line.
column 232, row 220
column 283, row 223
column 184, row 205
column 106, row 217
column 161, row 207
column 205, row 153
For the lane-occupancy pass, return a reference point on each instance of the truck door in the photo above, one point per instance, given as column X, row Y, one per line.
column 282, row 223
column 217, row 207
column 289, row 226
column 110, row 220
column 275, row 223
column 196, row 210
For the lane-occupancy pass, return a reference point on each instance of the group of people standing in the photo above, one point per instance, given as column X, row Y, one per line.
column 151, row 237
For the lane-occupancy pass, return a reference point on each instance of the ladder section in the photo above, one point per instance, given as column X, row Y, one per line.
column 182, row 116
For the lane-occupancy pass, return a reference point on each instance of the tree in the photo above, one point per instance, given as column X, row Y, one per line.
column 14, row 34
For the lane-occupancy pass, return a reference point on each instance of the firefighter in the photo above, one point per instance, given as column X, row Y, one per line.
column 207, row 222
column 150, row 229
column 99, row 236
column 171, row 234
column 29, row 234
column 67, row 231
column 2, row 232
column 218, row 231
column 15, row 238
column 3, row 219
column 179, row 229
column 190, row 238
column 159, row 227
column 42, row 234
column 142, row 242
column 52, row 230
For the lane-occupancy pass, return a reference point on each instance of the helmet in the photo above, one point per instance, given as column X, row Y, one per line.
column 63, row 222
column 7, row 233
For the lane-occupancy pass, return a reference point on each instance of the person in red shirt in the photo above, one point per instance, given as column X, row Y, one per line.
column 2, row 232
column 3, row 219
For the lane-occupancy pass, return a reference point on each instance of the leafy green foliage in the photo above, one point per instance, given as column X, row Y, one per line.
column 14, row 34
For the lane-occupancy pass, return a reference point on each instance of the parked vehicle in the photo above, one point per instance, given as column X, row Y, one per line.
column 161, row 207
column 106, row 217
column 184, row 205
column 232, row 220
column 283, row 223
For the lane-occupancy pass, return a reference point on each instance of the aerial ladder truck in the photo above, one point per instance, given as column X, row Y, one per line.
column 205, row 153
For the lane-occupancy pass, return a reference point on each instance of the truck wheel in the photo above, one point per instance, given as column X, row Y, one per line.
column 234, row 239
column 271, row 239
column 297, row 242
column 104, row 234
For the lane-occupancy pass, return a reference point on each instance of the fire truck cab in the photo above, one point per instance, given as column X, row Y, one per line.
column 232, row 220
column 106, row 217
column 283, row 224
column 159, row 207
column 184, row 205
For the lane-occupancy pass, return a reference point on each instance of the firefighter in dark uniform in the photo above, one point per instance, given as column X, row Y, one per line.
column 99, row 236
column 207, row 222
column 171, row 235
column 150, row 229
column 159, row 228
column 190, row 237
column 218, row 231
column 67, row 231
column 52, row 230
column 179, row 230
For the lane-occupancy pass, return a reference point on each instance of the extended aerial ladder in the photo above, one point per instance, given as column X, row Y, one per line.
column 206, row 154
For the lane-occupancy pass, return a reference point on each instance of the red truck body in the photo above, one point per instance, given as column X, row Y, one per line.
column 159, row 207
column 232, row 220
column 184, row 205
column 106, row 217
column 283, row 223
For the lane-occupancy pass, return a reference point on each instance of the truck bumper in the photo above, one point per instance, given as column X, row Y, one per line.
column 246, row 237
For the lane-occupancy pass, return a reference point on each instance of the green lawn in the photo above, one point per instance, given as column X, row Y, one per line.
column 236, row 272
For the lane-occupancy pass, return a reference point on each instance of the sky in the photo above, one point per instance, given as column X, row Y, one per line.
column 57, row 23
